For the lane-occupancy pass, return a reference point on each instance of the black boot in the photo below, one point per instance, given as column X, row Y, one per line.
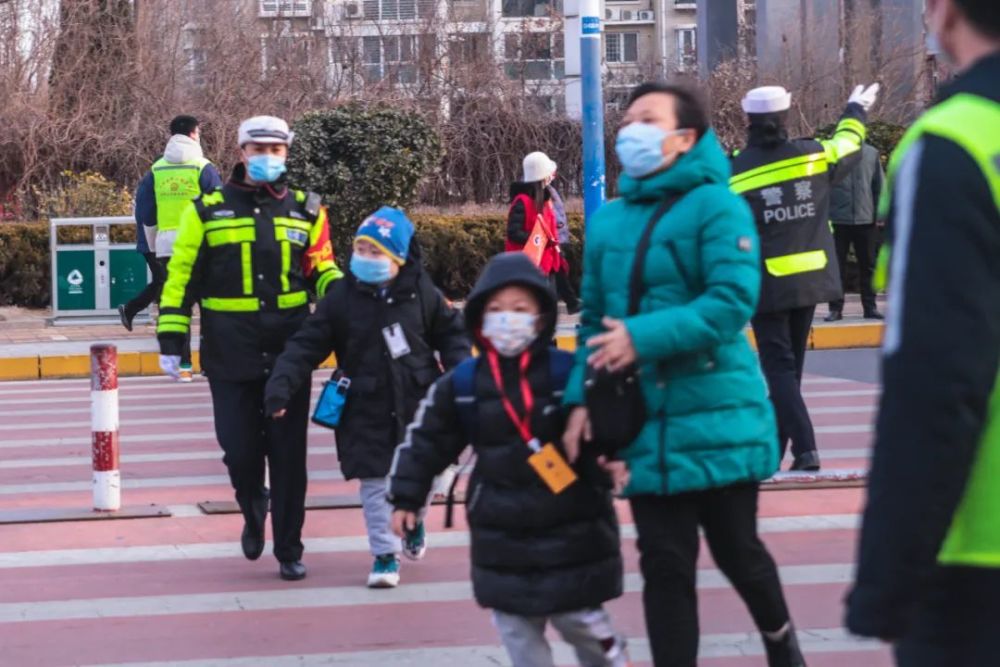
column 835, row 316
column 784, row 652
column 874, row 314
column 808, row 462
column 252, row 539
column 292, row 571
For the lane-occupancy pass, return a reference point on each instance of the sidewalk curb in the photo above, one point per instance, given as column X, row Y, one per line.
column 846, row 336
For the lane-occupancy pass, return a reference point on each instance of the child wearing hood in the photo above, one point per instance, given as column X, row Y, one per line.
column 385, row 322
column 545, row 545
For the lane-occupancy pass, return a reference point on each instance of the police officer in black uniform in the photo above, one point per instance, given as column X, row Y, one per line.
column 251, row 252
column 787, row 184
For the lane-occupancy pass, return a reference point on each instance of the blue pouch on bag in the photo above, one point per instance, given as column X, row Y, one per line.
column 331, row 401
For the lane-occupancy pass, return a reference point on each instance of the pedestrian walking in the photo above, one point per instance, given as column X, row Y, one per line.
column 545, row 547
column 564, row 287
column 175, row 179
column 250, row 253
column 385, row 322
column 928, row 576
column 853, row 207
column 533, row 203
column 707, row 437
column 787, row 184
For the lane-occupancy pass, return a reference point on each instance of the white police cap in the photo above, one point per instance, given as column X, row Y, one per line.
column 767, row 99
column 265, row 130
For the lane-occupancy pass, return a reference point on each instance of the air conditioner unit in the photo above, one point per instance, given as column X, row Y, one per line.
column 646, row 15
column 628, row 15
column 612, row 14
column 352, row 10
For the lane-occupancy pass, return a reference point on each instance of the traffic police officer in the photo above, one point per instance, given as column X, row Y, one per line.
column 929, row 568
column 787, row 184
column 251, row 252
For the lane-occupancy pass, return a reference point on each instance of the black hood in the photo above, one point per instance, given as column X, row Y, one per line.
column 768, row 130
column 511, row 268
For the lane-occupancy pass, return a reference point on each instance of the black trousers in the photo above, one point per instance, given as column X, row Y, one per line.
column 863, row 238
column 186, row 350
column 150, row 292
column 668, row 545
column 781, row 341
column 248, row 437
column 957, row 621
column 560, row 281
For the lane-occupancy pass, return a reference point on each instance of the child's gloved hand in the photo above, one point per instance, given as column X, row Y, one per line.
column 403, row 521
column 618, row 471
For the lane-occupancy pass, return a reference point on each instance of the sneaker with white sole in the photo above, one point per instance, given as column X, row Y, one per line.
column 385, row 572
column 415, row 542
column 185, row 375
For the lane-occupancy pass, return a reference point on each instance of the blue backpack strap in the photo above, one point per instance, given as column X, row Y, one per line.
column 463, row 380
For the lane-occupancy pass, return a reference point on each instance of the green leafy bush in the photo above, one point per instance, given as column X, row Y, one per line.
column 361, row 157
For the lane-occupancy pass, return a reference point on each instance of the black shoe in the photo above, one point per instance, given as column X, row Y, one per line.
column 126, row 320
column 292, row 571
column 834, row 316
column 808, row 462
column 874, row 315
column 785, row 652
column 252, row 539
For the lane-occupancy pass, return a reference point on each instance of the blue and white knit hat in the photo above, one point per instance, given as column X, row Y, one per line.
column 389, row 229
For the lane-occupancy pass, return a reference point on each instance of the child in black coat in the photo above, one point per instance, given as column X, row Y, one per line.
column 385, row 322
column 545, row 544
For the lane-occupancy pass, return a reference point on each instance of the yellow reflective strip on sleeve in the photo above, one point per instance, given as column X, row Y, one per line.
column 190, row 236
column 246, row 264
column 853, row 125
column 790, row 265
column 880, row 278
column 848, row 138
column 219, row 237
column 163, row 327
column 773, row 166
column 293, row 300
column 326, row 278
column 230, row 305
column 228, row 222
column 212, row 198
column 286, row 264
column 782, row 175
column 174, row 319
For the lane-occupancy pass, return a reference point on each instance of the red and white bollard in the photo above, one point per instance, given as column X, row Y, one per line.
column 104, row 421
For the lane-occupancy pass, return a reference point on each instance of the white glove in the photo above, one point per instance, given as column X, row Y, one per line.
column 865, row 96
column 171, row 365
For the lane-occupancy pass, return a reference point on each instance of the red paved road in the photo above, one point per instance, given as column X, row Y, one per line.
column 177, row 591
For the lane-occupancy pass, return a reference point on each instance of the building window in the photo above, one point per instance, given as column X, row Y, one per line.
column 534, row 56
column 467, row 48
column 687, row 49
column 287, row 51
column 286, row 8
column 392, row 58
column 530, row 8
column 398, row 10
column 621, row 47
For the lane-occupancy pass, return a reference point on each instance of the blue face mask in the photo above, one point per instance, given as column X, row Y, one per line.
column 265, row 168
column 371, row 271
column 640, row 149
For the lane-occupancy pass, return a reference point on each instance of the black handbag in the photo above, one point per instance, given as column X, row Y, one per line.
column 614, row 400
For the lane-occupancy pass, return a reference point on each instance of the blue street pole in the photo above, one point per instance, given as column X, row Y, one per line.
column 593, row 107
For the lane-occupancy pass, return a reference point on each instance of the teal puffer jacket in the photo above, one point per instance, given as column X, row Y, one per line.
column 710, row 423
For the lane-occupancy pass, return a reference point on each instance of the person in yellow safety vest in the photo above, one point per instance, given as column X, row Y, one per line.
column 928, row 575
column 787, row 184
column 251, row 253
column 178, row 176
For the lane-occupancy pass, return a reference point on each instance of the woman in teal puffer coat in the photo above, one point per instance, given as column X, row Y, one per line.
column 710, row 435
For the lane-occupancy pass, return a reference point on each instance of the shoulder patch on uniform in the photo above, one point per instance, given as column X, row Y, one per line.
column 224, row 213
column 313, row 203
column 745, row 244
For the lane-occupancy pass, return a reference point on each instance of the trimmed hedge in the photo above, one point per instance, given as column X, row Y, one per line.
column 455, row 250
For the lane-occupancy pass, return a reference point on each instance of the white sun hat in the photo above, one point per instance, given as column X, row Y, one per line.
column 767, row 99
column 265, row 130
column 537, row 167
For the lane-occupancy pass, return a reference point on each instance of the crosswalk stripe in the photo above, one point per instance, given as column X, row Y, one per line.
column 74, row 461
column 337, row 596
column 358, row 544
column 128, row 437
column 841, row 393
column 722, row 645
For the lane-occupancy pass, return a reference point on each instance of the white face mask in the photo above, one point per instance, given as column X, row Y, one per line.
column 510, row 333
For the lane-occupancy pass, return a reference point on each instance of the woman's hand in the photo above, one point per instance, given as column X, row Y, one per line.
column 279, row 414
column 619, row 473
column 577, row 432
column 403, row 521
column 613, row 349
